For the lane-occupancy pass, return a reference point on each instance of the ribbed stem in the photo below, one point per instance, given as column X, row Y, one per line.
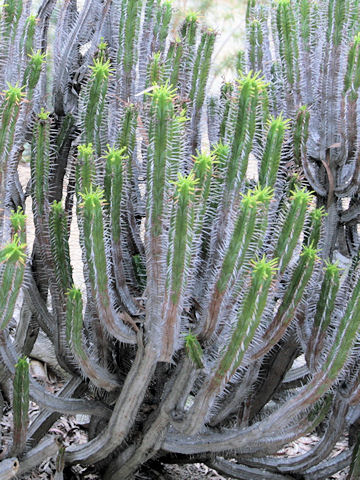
column 93, row 228
column 9, row 111
column 290, row 302
column 129, row 37
column 243, row 235
column 59, row 242
column 188, row 32
column 40, row 165
column 271, row 157
column 244, row 129
column 20, row 405
column 94, row 103
column 256, row 47
column 12, row 268
column 292, row 227
column 230, row 358
column 180, row 242
column 99, row 376
column 300, row 134
column 324, row 309
column 288, row 44
column 33, row 71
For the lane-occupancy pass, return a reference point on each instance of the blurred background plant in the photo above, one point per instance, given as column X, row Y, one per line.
column 228, row 18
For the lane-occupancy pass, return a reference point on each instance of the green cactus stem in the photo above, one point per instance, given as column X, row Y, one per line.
column 300, row 134
column 113, row 187
column 271, row 157
column 40, row 164
column 151, row 11
column 18, row 224
column 250, row 6
column 86, row 171
column 345, row 336
column 179, row 245
column 10, row 17
column 353, row 18
column 33, row 71
column 11, row 14
column 250, row 87
column 99, row 376
column 157, row 208
column 292, row 227
column 305, row 23
column 243, row 235
column 9, row 111
column 127, row 137
column 220, row 154
column 248, row 320
column 254, row 303
column 162, row 112
column 203, row 171
column 291, row 300
column 313, row 232
column 201, row 68
column 227, row 90
column 113, row 195
column 94, row 100
column 12, row 268
column 59, row 243
column 352, row 76
column 129, row 37
column 156, row 71
column 20, row 406
column 336, row 21
column 188, row 33
column 240, row 62
column 288, row 42
column 324, row 309
column 28, row 38
column 176, row 147
column 198, row 86
column 256, row 47
column 93, row 231
column 162, row 24
column 173, row 61
column 194, row 350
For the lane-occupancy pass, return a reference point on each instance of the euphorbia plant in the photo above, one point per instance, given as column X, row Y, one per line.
column 201, row 286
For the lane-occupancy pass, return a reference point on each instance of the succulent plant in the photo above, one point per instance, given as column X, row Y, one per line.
column 215, row 323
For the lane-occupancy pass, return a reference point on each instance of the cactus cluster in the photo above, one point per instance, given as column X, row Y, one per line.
column 215, row 323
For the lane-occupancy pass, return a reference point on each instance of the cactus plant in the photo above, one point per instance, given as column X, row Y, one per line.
column 20, row 405
column 202, row 288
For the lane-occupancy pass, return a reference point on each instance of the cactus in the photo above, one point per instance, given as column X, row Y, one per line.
column 202, row 286
column 20, row 405
column 13, row 258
